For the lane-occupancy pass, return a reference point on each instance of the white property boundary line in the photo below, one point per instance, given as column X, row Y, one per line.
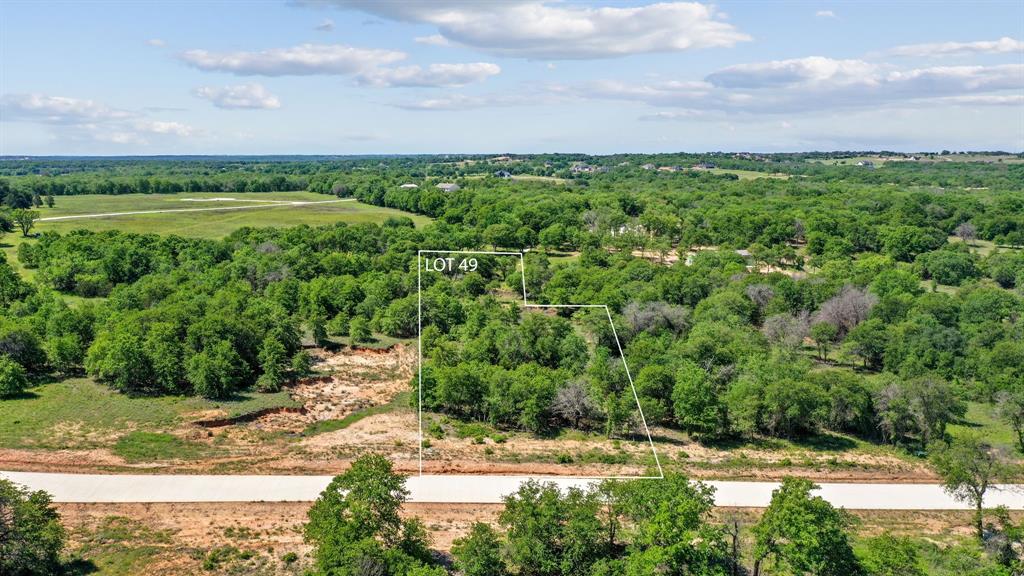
column 526, row 304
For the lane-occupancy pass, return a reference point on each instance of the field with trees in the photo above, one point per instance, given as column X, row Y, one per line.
column 843, row 321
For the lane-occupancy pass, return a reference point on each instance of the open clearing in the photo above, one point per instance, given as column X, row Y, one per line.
column 208, row 223
column 749, row 174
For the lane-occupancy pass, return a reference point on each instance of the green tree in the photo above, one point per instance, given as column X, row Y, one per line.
column 17, row 199
column 64, row 353
column 31, row 535
column 532, row 518
column 888, row 555
column 302, row 364
column 12, row 378
column 695, row 401
column 318, row 327
column 479, row 552
column 868, row 340
column 803, row 534
column 968, row 466
column 359, row 329
column 216, row 372
column 118, row 357
column 356, row 527
column 26, row 219
column 824, row 335
column 272, row 358
column 1010, row 407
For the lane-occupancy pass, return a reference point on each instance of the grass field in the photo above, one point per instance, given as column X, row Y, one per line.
column 207, row 224
column 982, row 419
column 876, row 160
column 749, row 174
column 80, row 413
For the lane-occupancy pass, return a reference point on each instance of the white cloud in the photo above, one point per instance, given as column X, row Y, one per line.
column 672, row 116
column 302, row 60
column 811, row 70
column 433, row 40
column 825, row 14
column 119, row 137
column 466, row 102
column 552, row 31
column 433, row 75
column 816, row 84
column 157, row 42
column 1003, row 45
column 326, row 25
column 57, row 109
column 163, row 127
column 80, row 119
column 367, row 66
column 987, row 100
column 241, row 97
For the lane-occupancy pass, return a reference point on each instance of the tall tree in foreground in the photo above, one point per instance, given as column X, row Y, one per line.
column 31, row 537
column 803, row 534
column 356, row 528
column 479, row 552
column 969, row 466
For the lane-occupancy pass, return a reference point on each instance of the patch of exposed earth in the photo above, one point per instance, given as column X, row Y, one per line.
column 353, row 380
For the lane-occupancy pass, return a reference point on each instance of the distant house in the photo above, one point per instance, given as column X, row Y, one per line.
column 581, row 169
column 866, row 163
column 704, row 166
column 408, row 185
column 448, row 187
column 668, row 168
column 743, row 252
column 503, row 174
column 648, row 166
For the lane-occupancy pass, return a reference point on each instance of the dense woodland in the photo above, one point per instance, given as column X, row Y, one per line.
column 844, row 298
column 718, row 341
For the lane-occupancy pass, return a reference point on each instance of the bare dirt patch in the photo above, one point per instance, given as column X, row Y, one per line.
column 176, row 538
column 351, row 380
column 189, row 538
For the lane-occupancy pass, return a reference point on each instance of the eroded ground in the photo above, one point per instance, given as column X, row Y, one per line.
column 359, row 403
column 266, row 538
column 249, row 538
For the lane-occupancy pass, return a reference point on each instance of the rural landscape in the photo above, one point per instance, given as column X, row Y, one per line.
column 511, row 288
column 778, row 318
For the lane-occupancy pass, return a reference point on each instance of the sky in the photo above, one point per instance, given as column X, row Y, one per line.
column 519, row 76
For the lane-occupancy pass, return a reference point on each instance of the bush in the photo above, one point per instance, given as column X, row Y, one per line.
column 32, row 536
column 12, row 378
column 948, row 267
column 302, row 363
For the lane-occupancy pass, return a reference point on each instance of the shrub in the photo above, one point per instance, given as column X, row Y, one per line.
column 12, row 378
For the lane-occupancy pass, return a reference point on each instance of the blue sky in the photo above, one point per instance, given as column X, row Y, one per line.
column 357, row 76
